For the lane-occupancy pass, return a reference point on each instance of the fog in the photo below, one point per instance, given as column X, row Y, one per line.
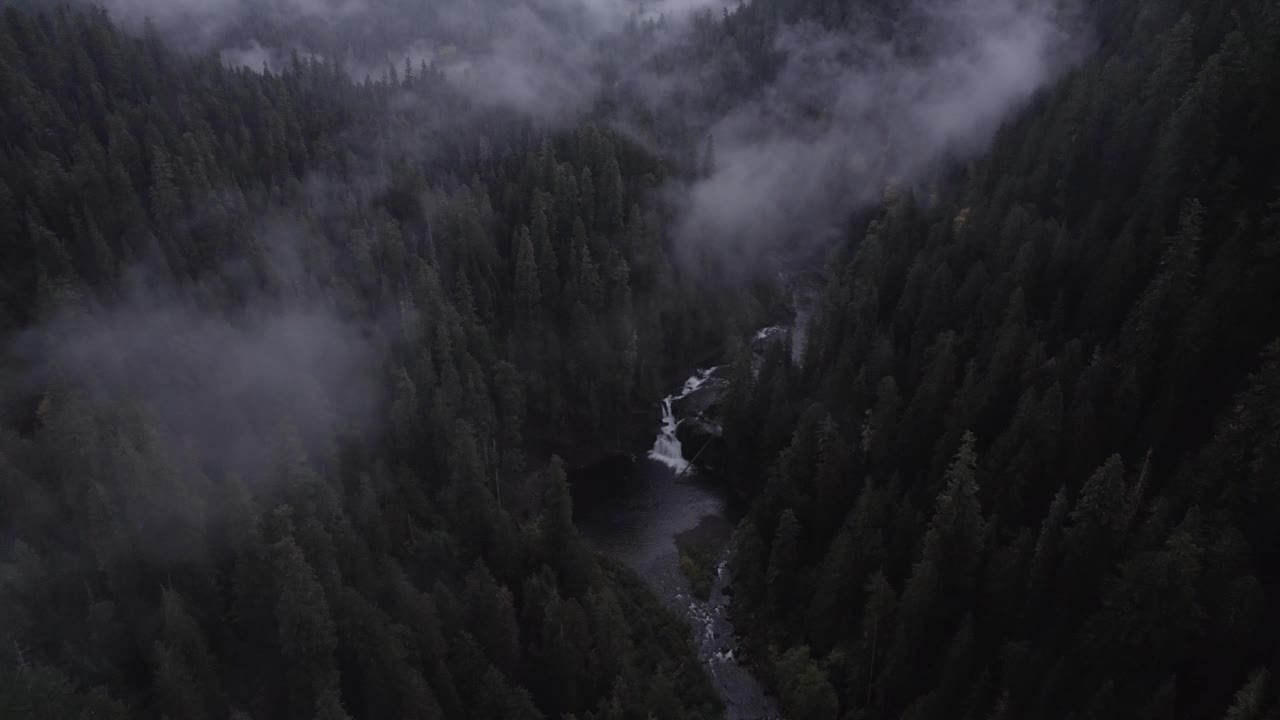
column 850, row 113
column 850, row 110
column 847, row 112
column 225, row 382
column 197, row 397
column 208, row 19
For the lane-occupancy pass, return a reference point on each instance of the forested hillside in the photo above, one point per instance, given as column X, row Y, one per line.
column 290, row 352
column 1027, row 467
column 288, row 356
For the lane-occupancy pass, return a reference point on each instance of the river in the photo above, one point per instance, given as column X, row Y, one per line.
column 633, row 509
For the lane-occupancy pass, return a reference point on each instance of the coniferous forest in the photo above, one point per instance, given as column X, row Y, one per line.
column 297, row 359
column 361, row 519
column 1027, row 467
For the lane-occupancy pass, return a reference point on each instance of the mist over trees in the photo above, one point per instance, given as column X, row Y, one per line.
column 302, row 301
column 284, row 368
column 1023, row 468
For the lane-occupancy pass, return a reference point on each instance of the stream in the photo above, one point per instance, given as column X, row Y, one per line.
column 633, row 509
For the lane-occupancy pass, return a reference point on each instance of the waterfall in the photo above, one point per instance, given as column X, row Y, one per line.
column 666, row 448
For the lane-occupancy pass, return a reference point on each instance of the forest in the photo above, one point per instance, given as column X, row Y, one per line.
column 296, row 357
column 279, row 417
column 1027, row 467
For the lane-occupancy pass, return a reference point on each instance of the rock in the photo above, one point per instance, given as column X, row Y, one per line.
column 704, row 401
column 702, row 439
column 693, row 433
column 767, row 338
column 700, row 431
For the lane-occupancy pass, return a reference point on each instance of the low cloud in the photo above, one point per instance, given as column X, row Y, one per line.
column 849, row 111
column 553, row 59
column 158, row 398
column 849, row 114
column 219, row 383
column 208, row 19
column 533, row 64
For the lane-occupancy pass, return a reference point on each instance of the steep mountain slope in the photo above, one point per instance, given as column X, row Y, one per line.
column 286, row 357
column 1027, row 468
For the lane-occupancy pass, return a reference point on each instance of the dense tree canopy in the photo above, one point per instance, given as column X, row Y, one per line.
column 418, row 562
column 1051, row 376
column 290, row 357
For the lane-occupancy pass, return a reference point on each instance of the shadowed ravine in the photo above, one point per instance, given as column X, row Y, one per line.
column 633, row 510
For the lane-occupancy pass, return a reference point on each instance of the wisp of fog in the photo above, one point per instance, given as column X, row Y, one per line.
column 850, row 113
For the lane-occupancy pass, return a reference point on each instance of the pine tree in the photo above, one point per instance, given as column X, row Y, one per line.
column 548, row 263
column 611, row 204
column 953, row 543
column 306, row 631
column 1099, row 515
column 527, row 290
column 563, row 546
column 1251, row 700
column 803, row 687
column 783, row 558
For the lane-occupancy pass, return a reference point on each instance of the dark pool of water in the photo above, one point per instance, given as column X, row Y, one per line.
column 632, row 510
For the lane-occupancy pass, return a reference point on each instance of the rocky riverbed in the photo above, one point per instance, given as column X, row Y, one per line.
column 648, row 511
column 642, row 510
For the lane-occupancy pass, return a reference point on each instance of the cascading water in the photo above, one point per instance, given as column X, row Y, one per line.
column 637, row 516
column 666, row 447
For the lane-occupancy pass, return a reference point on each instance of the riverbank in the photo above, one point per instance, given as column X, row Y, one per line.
column 701, row 548
column 652, row 511
column 671, row 518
